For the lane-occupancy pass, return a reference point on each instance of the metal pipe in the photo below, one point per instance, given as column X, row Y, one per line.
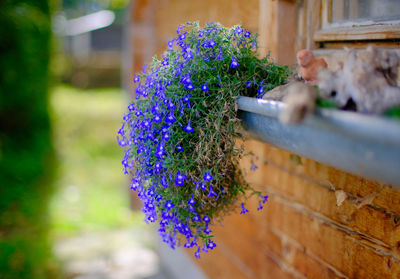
column 365, row 145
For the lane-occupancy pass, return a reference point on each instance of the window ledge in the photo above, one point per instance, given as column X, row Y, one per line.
column 350, row 33
column 368, row 146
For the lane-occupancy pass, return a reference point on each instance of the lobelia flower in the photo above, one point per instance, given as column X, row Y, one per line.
column 197, row 253
column 165, row 62
column 219, row 57
column 260, row 92
column 244, row 210
column 196, row 218
column 166, row 136
column 170, row 118
column 169, row 205
column 211, row 192
column 204, row 87
column 234, row 63
column 207, row 177
column 179, row 178
column 211, row 245
column 207, row 230
column 206, row 219
column 188, row 128
column 189, row 87
column 191, row 201
column 157, row 118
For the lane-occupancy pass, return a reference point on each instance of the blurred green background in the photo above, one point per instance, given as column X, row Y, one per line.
column 60, row 170
column 91, row 192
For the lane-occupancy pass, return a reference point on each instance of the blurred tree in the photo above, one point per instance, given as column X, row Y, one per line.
column 25, row 147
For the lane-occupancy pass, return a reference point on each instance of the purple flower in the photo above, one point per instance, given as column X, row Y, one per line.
column 156, row 118
column 179, row 178
column 211, row 43
column 238, row 30
column 182, row 36
column 190, row 86
column 248, row 84
column 146, row 123
column 136, row 79
column 131, row 107
column 188, row 128
column 165, row 62
column 253, row 167
column 135, row 184
column 179, row 148
column 207, row 230
column 208, row 177
column 197, row 253
column 191, row 201
column 219, row 57
column 171, row 105
column 170, row 118
column 158, row 167
column 188, row 55
column 204, row 87
column 234, row 63
column 160, row 151
column 169, row 205
column 178, row 30
column 247, row 34
column 166, row 136
column 187, row 98
column 211, row 245
column 171, row 43
column 211, row 192
column 244, row 210
column 206, row 219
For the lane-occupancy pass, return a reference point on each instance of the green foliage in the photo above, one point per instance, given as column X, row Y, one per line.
column 393, row 112
column 25, row 147
column 326, row 103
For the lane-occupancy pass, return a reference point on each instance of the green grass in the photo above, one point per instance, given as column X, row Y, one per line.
column 91, row 191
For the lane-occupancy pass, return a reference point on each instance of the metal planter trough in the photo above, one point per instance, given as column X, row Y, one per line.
column 365, row 145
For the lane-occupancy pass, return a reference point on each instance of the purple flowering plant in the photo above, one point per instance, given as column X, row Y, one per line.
column 179, row 133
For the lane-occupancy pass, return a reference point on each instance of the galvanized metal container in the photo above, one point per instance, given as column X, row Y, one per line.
column 364, row 145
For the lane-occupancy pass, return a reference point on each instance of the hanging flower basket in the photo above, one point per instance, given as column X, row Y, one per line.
column 179, row 133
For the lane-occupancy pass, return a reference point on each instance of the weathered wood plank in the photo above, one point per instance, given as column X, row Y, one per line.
column 342, row 249
column 387, row 197
column 373, row 223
